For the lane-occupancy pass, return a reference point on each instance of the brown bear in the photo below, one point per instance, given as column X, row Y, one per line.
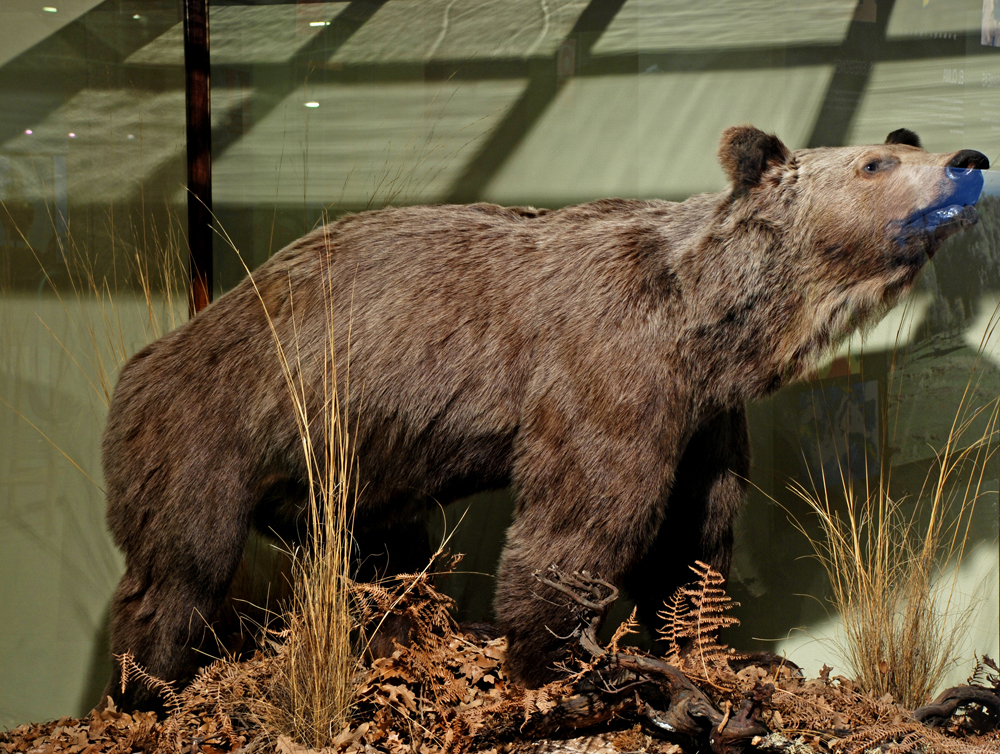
column 598, row 358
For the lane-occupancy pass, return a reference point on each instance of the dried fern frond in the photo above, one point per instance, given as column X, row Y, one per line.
column 708, row 614
column 131, row 670
column 905, row 737
column 693, row 618
column 674, row 616
column 629, row 626
column 985, row 674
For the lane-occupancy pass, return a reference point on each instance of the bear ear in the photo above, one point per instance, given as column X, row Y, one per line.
column 904, row 136
column 746, row 152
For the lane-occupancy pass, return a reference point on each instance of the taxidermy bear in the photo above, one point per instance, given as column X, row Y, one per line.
column 598, row 358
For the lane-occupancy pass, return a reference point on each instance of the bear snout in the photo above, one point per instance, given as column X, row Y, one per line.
column 965, row 161
column 954, row 207
column 965, row 180
column 961, row 189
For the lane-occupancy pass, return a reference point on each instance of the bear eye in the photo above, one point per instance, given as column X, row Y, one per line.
column 873, row 166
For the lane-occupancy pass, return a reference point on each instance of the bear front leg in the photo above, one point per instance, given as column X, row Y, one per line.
column 708, row 490
column 588, row 499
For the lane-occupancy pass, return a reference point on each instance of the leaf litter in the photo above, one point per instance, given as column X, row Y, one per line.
column 446, row 691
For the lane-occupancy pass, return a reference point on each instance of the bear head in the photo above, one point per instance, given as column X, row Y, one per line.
column 853, row 225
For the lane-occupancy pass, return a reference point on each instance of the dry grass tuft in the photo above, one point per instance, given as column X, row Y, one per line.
column 311, row 692
column 315, row 681
column 887, row 562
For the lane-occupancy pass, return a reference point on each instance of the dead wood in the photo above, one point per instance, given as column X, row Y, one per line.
column 592, row 598
column 948, row 702
column 719, row 710
column 662, row 693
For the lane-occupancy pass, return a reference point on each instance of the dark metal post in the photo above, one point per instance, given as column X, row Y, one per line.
column 199, row 152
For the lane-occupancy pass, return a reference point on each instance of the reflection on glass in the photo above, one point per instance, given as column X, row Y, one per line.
column 91, row 159
column 621, row 126
column 934, row 18
column 425, row 30
column 655, row 25
column 362, row 145
column 946, row 100
column 246, row 34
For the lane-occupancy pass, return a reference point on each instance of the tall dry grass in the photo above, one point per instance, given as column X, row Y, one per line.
column 312, row 690
column 147, row 263
column 893, row 563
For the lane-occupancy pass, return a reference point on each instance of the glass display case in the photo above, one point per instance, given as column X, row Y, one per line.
column 319, row 109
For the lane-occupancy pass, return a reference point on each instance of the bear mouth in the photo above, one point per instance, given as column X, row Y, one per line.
column 931, row 226
column 928, row 227
column 943, row 222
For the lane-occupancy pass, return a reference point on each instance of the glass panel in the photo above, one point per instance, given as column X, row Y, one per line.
column 91, row 268
column 555, row 103
column 243, row 34
column 622, row 128
column 359, row 145
column 426, row 30
column 917, row 19
column 325, row 108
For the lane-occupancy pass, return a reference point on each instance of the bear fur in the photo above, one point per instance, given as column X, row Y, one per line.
column 598, row 358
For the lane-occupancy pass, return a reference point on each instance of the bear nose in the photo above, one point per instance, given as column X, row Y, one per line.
column 965, row 161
